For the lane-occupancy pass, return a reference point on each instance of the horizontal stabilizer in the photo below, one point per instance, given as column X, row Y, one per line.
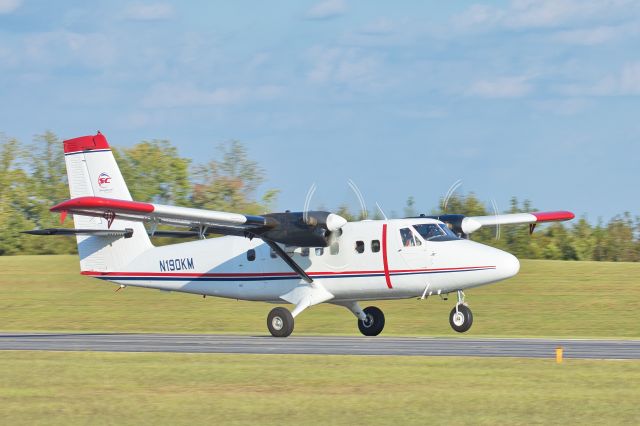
column 126, row 233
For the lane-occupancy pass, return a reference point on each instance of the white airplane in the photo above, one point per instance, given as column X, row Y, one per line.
column 303, row 258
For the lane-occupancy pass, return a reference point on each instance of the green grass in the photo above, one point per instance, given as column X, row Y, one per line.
column 113, row 388
column 547, row 298
column 571, row 299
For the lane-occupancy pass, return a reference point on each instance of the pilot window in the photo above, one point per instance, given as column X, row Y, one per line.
column 319, row 251
column 272, row 253
column 305, row 251
column 429, row 231
column 375, row 246
column 408, row 239
column 334, row 248
column 251, row 255
column 360, row 246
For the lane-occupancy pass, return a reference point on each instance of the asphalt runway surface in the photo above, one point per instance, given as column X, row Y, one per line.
column 322, row 345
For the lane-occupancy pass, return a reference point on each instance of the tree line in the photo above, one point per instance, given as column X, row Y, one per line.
column 33, row 178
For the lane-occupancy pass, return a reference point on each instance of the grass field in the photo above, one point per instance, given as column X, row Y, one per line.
column 108, row 388
column 568, row 299
column 547, row 298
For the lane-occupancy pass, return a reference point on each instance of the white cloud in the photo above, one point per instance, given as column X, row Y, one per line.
column 62, row 48
column 181, row 95
column 564, row 107
column 347, row 66
column 327, row 9
column 531, row 14
column 626, row 82
column 9, row 6
column 380, row 27
column 589, row 36
column 504, row 87
column 149, row 12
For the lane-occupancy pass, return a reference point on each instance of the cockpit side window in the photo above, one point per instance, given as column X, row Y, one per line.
column 407, row 237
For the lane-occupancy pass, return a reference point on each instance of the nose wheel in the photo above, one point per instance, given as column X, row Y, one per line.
column 461, row 317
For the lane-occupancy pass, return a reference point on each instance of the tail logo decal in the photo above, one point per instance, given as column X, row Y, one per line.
column 104, row 182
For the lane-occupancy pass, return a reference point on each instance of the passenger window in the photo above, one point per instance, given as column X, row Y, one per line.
column 360, row 246
column 251, row 255
column 319, row 251
column 304, row 252
column 334, row 248
column 272, row 253
column 375, row 246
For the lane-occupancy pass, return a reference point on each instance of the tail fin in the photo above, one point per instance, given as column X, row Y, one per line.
column 92, row 171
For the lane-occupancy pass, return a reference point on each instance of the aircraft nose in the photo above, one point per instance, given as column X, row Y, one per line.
column 508, row 265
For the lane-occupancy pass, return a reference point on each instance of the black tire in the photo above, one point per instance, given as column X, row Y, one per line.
column 375, row 322
column 463, row 321
column 280, row 322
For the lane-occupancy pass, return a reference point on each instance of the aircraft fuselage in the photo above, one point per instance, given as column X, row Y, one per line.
column 370, row 260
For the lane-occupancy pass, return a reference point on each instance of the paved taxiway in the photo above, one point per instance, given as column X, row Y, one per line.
column 420, row 346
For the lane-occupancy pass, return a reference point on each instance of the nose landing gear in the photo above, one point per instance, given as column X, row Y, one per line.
column 461, row 317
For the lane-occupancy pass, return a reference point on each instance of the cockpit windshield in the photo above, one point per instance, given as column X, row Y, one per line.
column 435, row 231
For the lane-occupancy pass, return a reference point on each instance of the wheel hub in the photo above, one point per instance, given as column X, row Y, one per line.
column 458, row 318
column 277, row 323
column 368, row 322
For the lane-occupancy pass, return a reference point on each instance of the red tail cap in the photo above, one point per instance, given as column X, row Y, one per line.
column 86, row 143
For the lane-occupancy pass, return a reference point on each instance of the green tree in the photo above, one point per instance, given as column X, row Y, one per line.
column 584, row 239
column 45, row 187
column 229, row 184
column 13, row 198
column 154, row 172
column 409, row 208
column 618, row 242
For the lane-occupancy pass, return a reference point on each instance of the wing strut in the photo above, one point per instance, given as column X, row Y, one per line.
column 289, row 261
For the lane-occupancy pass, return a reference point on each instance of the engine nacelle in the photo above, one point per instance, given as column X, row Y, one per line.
column 302, row 229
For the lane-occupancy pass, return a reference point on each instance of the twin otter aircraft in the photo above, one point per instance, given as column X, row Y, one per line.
column 302, row 258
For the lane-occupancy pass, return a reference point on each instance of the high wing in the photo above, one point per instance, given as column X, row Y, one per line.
column 465, row 225
column 472, row 223
column 275, row 226
column 304, row 229
column 157, row 214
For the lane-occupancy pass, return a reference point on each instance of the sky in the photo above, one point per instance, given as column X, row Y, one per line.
column 534, row 99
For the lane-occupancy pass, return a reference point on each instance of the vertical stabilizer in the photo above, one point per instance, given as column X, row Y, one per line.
column 92, row 171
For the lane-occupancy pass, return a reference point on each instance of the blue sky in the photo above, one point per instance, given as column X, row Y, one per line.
column 537, row 99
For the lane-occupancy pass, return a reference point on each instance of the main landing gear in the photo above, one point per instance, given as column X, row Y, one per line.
column 280, row 322
column 461, row 317
column 370, row 320
column 373, row 323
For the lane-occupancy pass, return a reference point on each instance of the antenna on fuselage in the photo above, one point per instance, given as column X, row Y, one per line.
column 381, row 211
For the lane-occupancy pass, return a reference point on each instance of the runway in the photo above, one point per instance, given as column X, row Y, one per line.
column 322, row 345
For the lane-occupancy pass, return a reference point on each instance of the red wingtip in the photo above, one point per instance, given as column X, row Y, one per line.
column 102, row 204
column 63, row 216
column 553, row 216
column 86, row 143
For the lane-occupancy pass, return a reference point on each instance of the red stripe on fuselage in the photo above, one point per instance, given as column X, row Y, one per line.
column 385, row 261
